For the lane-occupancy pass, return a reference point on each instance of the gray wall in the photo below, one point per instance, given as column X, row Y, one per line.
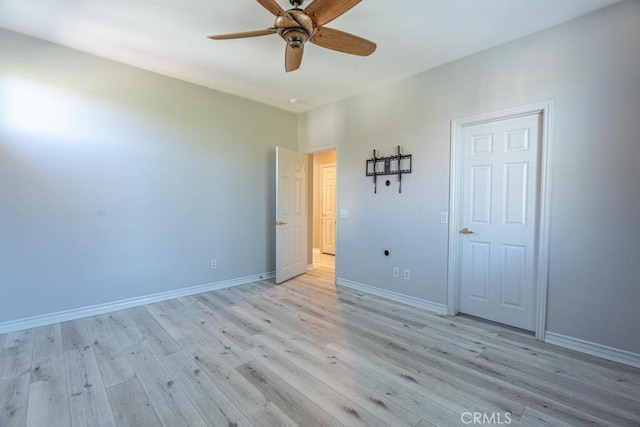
column 590, row 67
column 117, row 183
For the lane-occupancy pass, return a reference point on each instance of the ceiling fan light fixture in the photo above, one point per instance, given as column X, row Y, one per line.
column 297, row 26
column 295, row 37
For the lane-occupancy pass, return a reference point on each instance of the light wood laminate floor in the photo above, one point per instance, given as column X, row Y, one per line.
column 302, row 353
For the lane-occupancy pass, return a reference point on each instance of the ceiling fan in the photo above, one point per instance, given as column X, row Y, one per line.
column 297, row 26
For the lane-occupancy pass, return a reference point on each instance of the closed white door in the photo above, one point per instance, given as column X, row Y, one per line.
column 291, row 214
column 329, row 209
column 498, row 219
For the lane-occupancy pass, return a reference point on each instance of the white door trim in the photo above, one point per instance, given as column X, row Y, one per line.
column 544, row 205
column 315, row 150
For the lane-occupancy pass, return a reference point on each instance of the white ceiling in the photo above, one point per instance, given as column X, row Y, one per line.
column 169, row 37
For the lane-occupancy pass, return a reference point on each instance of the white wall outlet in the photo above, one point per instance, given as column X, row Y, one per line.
column 396, row 272
column 214, row 264
column 444, row 217
column 344, row 213
column 407, row 274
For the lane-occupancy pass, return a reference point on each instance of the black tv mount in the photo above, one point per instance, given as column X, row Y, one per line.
column 398, row 164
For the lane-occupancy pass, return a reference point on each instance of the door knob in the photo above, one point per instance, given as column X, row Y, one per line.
column 465, row 230
column 281, row 223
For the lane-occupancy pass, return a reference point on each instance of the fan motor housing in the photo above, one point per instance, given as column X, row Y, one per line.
column 295, row 34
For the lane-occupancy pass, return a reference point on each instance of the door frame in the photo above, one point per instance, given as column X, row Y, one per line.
column 335, row 193
column 541, row 266
column 312, row 151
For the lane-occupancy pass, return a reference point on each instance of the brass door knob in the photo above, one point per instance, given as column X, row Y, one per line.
column 465, row 230
column 281, row 223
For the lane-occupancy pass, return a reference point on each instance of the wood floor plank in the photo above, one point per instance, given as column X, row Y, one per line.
column 212, row 404
column 302, row 410
column 97, row 326
column 74, row 335
column 155, row 335
column 207, row 326
column 14, row 398
column 603, row 373
column 556, row 353
column 125, row 329
column 109, row 353
column 171, row 404
column 16, row 355
column 171, row 316
column 131, row 406
column 432, row 386
column 385, row 342
column 253, row 404
column 49, row 400
column 88, row 400
column 48, row 396
column 47, row 352
column 373, row 379
column 368, row 398
column 491, row 378
column 303, row 352
column 534, row 418
column 624, row 406
column 210, row 301
column 209, row 318
column 284, row 323
column 111, row 359
column 339, row 406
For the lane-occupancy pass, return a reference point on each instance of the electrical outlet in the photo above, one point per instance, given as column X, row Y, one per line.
column 407, row 274
column 444, row 217
column 396, row 272
column 214, row 264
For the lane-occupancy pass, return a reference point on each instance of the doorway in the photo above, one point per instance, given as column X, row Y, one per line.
column 324, row 207
column 498, row 233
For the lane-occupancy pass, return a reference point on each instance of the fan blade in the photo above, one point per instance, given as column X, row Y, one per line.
column 343, row 42
column 244, row 34
column 293, row 58
column 273, row 7
column 324, row 11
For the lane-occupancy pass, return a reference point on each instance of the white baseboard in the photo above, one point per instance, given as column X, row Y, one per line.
column 316, row 250
column 78, row 313
column 594, row 349
column 395, row 296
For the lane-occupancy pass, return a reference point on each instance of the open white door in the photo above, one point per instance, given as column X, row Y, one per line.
column 291, row 214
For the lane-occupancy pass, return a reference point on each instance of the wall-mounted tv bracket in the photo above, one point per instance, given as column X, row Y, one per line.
column 392, row 165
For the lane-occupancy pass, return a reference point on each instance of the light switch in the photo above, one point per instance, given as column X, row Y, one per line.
column 444, row 217
column 344, row 213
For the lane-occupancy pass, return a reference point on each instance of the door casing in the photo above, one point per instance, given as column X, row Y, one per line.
column 315, row 150
column 544, row 206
